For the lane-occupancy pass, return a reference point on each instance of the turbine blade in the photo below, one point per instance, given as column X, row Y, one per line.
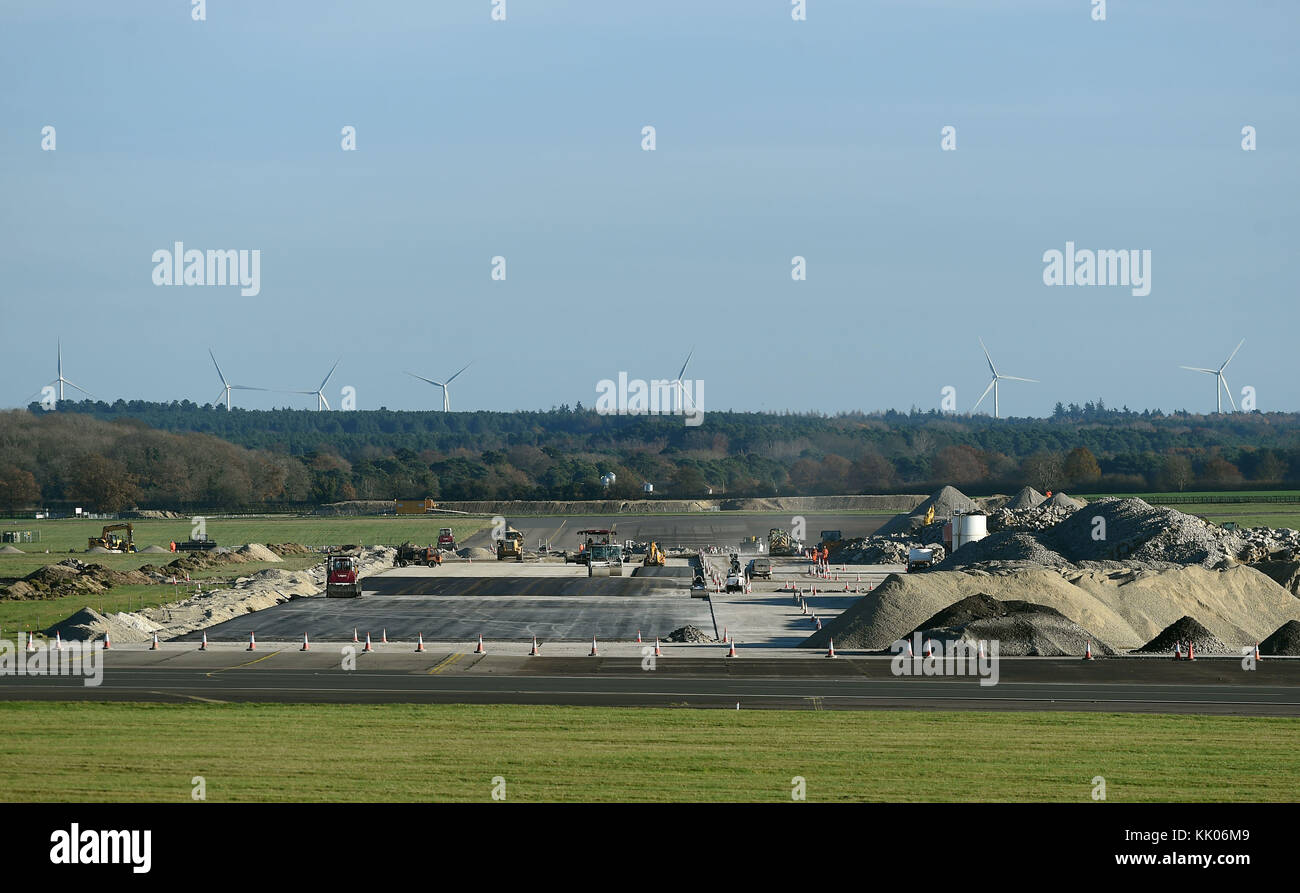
column 1198, row 369
column 325, row 401
column 247, row 387
column 989, row 358
column 1231, row 355
column 219, row 372
column 80, row 388
column 422, row 378
column 1017, row 378
column 684, row 365
column 462, row 369
column 983, row 395
column 327, row 377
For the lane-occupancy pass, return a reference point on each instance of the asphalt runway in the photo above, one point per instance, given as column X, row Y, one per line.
column 288, row 676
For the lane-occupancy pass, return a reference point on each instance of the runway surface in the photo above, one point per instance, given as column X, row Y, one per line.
column 178, row 674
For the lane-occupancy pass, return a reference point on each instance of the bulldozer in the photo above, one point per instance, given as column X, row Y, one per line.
column 779, row 542
column 111, row 541
column 655, row 557
column 511, row 546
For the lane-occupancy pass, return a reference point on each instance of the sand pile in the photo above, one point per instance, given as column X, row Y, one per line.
column 155, row 550
column 1285, row 640
column 1182, row 632
column 1123, row 609
column 1020, row 628
column 7, row 549
column 1285, row 573
column 257, row 552
column 1027, row 498
column 90, row 625
column 946, row 501
column 476, row 553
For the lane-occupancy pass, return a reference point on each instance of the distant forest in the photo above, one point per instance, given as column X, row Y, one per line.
column 182, row 455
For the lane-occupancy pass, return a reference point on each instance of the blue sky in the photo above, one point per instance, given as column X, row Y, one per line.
column 775, row 138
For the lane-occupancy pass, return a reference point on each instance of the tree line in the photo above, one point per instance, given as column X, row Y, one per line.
column 182, row 455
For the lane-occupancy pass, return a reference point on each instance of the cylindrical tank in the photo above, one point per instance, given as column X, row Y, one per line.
column 968, row 529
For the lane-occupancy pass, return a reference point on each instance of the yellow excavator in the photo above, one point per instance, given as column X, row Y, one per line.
column 111, row 541
column 655, row 557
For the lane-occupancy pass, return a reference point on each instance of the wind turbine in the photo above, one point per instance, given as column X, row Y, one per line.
column 320, row 391
column 446, row 397
column 993, row 385
column 61, row 381
column 678, row 384
column 228, row 387
column 1221, row 383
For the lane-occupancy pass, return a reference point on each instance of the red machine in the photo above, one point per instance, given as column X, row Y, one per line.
column 341, row 575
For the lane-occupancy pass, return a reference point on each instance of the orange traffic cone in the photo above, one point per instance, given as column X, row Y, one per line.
column 726, row 636
column 203, row 646
column 909, row 648
column 658, row 651
column 1191, row 651
column 1087, row 651
column 383, row 637
column 929, row 648
column 108, row 643
column 354, row 635
column 830, row 652
column 1256, row 652
column 819, row 622
column 638, row 637
column 732, row 651
column 58, row 640
column 1178, row 651
column 252, row 641
column 419, row 643
column 154, row 646
column 535, row 652
column 31, row 643
column 593, row 647
column 480, row 649
column 306, row 645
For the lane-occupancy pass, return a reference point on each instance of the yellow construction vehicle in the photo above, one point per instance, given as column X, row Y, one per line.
column 655, row 557
column 111, row 541
column 929, row 516
column 511, row 546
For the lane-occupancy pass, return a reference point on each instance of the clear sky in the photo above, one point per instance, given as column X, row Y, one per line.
column 775, row 138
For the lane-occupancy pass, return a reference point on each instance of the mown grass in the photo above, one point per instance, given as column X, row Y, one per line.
column 150, row 752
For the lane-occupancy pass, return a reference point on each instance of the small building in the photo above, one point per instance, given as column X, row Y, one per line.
column 648, row 487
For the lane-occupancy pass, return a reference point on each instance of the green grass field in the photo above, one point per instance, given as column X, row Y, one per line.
column 1245, row 514
column 139, row 752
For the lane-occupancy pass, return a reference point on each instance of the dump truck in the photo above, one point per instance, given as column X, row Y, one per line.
column 341, row 574
column 655, row 557
column 111, row 541
column 411, row 554
column 920, row 559
column 511, row 546
column 779, row 542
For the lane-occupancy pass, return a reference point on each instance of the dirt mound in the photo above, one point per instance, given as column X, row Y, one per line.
column 1060, row 501
column 7, row 549
column 1285, row 640
column 1005, row 546
column 90, row 625
column 476, row 553
column 690, row 634
column 153, row 515
column 1020, row 628
column 1125, row 608
column 946, row 502
column 1027, row 498
column 155, row 550
column 257, row 552
column 70, row 577
column 283, row 549
column 1182, row 632
column 99, row 550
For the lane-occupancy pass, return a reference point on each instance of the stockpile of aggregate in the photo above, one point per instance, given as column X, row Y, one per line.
column 946, row 502
column 1285, row 640
column 1027, row 498
column 1021, row 629
column 1182, row 632
column 692, row 635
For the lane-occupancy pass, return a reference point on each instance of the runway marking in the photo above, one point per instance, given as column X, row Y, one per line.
column 246, row 664
column 445, row 663
column 181, row 694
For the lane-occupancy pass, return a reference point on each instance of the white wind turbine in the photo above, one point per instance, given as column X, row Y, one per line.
column 227, row 387
column 319, row 393
column 446, row 397
column 993, row 385
column 678, row 386
column 1220, row 383
column 61, row 381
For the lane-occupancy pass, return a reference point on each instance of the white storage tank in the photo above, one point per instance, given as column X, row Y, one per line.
column 969, row 529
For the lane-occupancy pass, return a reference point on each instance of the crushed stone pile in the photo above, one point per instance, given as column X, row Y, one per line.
column 946, row 501
column 7, row 549
column 1021, row 629
column 1184, row 631
column 257, row 552
column 1059, row 500
column 1007, row 547
column 691, row 634
column 1124, row 608
column 1027, row 498
column 1137, row 532
column 1033, row 520
column 1258, row 544
column 883, row 550
column 476, row 553
column 1285, row 641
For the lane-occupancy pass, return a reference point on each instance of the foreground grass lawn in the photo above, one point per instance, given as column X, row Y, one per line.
column 111, row 752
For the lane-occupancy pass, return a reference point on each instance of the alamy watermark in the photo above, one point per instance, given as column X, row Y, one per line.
column 636, row 396
column 1130, row 267
column 71, row 659
column 950, row 658
column 242, row 267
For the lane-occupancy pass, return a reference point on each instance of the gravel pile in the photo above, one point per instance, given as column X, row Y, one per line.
column 1027, row 498
column 7, row 549
column 884, row 550
column 947, row 501
column 1021, row 629
column 1184, row 631
column 1005, row 546
column 476, row 553
column 1285, row 640
column 1061, row 501
column 691, row 634
column 1123, row 608
column 257, row 552
column 1141, row 533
